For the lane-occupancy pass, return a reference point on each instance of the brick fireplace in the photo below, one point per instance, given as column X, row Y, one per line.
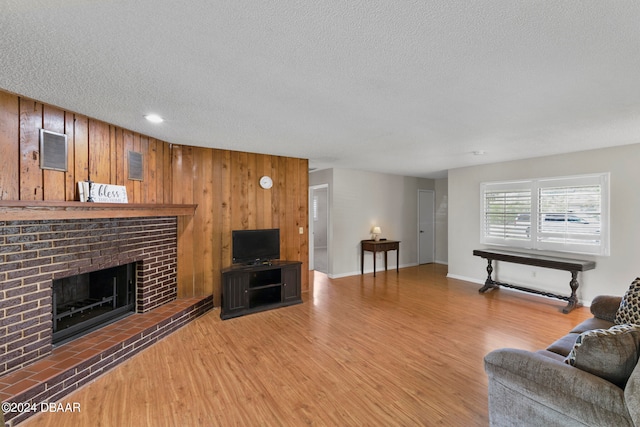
column 34, row 253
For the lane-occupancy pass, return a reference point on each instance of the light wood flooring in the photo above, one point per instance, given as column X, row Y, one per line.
column 400, row 349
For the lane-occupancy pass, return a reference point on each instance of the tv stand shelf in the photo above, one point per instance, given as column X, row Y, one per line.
column 251, row 288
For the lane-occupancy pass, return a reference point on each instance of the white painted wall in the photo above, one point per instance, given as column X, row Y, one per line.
column 358, row 200
column 613, row 274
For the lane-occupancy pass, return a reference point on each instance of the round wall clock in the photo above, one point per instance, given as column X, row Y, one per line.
column 266, row 182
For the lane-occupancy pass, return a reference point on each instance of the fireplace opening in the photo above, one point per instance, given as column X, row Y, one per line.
column 88, row 301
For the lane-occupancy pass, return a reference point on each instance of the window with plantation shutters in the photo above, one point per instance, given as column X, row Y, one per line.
column 567, row 214
column 506, row 207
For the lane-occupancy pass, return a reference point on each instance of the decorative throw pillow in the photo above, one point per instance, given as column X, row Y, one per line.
column 629, row 310
column 611, row 353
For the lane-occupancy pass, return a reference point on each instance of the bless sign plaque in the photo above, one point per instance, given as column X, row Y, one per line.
column 102, row 193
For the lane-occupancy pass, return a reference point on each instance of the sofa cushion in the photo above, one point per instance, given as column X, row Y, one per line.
column 563, row 345
column 629, row 310
column 605, row 307
column 611, row 353
column 590, row 324
column 551, row 355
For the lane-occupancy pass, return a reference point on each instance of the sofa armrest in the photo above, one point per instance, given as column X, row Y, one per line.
column 605, row 307
column 537, row 385
column 632, row 395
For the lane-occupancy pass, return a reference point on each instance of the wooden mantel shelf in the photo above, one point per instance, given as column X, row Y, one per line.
column 43, row 210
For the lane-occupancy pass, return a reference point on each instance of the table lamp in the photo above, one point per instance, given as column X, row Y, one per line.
column 375, row 233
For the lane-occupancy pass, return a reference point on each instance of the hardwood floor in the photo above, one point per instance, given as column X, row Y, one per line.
column 400, row 349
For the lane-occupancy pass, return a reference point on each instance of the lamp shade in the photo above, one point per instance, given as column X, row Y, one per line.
column 376, row 230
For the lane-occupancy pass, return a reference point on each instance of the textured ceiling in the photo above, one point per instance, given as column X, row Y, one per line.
column 406, row 87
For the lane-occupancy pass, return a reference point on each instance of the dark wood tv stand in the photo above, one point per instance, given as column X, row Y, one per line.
column 251, row 288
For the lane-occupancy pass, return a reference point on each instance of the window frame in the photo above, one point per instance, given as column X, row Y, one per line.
column 581, row 241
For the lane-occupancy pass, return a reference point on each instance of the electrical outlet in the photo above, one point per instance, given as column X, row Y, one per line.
column 301, row 230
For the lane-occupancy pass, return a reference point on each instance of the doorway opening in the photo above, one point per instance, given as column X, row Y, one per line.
column 319, row 228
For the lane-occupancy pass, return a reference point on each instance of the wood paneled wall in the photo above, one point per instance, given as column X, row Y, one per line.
column 223, row 183
column 96, row 151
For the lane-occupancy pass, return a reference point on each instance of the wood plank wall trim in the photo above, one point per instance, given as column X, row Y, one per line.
column 35, row 210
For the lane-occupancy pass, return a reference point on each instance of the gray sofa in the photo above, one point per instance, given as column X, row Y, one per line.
column 543, row 388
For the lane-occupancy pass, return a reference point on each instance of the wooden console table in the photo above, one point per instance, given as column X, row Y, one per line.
column 379, row 246
column 557, row 263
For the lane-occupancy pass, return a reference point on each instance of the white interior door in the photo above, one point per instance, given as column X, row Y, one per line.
column 426, row 226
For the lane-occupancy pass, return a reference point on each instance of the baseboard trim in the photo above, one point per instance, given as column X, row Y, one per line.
column 368, row 271
column 465, row 279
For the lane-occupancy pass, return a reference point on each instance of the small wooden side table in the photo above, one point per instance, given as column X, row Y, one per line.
column 379, row 246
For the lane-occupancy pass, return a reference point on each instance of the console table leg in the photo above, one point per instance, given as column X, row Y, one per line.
column 489, row 283
column 385, row 260
column 374, row 263
column 573, row 299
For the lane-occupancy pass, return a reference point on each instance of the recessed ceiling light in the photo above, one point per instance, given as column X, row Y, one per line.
column 479, row 153
column 154, row 118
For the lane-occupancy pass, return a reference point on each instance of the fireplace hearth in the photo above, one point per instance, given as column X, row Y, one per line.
column 86, row 302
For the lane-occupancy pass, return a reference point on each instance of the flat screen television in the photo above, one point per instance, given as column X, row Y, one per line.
column 255, row 246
